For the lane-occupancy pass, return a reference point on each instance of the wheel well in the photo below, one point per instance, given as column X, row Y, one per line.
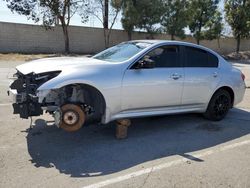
column 82, row 93
column 94, row 98
column 229, row 90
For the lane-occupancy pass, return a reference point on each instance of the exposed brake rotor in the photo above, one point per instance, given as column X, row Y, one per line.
column 73, row 117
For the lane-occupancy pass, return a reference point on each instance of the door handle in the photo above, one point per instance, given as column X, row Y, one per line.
column 175, row 76
column 215, row 74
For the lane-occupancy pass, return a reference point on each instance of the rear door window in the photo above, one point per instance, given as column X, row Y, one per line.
column 200, row 58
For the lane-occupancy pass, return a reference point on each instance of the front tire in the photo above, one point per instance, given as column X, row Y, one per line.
column 218, row 106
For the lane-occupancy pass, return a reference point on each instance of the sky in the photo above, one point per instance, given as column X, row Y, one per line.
column 7, row 16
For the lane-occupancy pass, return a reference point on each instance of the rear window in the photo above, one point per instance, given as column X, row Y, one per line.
column 200, row 58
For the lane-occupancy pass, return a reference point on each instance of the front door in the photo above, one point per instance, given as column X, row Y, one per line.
column 155, row 86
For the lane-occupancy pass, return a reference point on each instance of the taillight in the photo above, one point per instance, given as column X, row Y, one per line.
column 243, row 76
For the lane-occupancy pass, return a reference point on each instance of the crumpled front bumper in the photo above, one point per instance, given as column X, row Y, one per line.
column 15, row 97
column 24, row 102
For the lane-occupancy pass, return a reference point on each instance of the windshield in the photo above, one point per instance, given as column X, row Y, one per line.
column 122, row 52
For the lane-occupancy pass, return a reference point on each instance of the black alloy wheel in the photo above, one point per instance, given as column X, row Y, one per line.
column 218, row 106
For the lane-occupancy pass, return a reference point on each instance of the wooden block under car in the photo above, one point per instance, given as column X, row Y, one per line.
column 122, row 128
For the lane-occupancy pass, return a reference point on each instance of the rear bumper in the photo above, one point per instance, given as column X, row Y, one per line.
column 239, row 93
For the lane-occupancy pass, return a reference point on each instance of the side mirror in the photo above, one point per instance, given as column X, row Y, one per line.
column 145, row 64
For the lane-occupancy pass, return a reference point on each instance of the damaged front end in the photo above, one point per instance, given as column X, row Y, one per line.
column 24, row 93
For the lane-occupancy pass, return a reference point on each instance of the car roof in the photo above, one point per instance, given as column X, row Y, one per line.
column 175, row 42
column 168, row 41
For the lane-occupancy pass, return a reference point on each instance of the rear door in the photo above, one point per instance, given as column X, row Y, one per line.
column 201, row 76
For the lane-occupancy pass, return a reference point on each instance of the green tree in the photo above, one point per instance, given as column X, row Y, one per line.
column 238, row 17
column 129, row 17
column 142, row 14
column 200, row 13
column 149, row 15
column 214, row 28
column 175, row 17
column 49, row 12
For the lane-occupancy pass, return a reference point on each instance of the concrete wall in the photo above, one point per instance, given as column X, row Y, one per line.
column 22, row 38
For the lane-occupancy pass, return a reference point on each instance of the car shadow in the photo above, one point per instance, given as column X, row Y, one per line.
column 94, row 151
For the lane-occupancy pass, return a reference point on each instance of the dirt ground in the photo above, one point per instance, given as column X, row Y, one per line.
column 22, row 57
column 169, row 151
column 241, row 56
column 15, row 57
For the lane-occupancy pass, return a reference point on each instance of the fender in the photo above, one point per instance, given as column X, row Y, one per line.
column 69, row 78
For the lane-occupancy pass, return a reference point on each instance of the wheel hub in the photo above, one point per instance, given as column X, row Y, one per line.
column 73, row 117
column 70, row 117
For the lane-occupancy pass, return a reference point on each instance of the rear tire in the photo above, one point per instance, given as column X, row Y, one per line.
column 218, row 106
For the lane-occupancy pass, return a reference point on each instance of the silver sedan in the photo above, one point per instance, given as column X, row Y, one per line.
column 131, row 79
